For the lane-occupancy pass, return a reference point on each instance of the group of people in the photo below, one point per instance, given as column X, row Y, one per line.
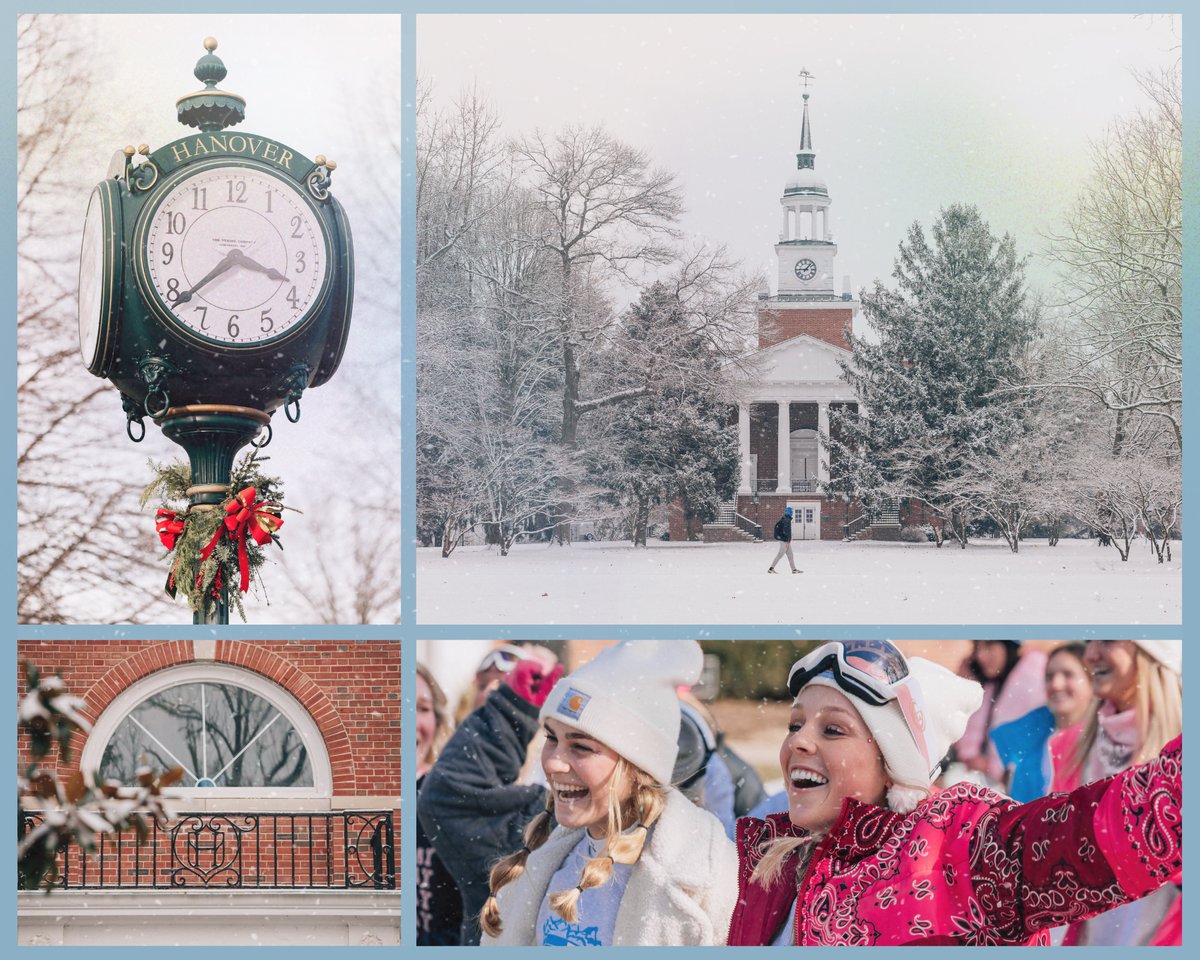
column 603, row 849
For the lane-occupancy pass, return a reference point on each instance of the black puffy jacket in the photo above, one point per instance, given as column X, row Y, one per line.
column 471, row 806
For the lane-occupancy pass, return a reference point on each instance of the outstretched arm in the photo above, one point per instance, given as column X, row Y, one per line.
column 1070, row 856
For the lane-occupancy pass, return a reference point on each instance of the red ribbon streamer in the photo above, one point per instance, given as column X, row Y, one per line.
column 245, row 514
column 168, row 525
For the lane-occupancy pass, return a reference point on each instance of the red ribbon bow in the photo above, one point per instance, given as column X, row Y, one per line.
column 169, row 525
column 245, row 514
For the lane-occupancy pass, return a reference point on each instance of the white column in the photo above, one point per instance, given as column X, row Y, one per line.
column 744, row 447
column 822, row 450
column 783, row 227
column 785, row 448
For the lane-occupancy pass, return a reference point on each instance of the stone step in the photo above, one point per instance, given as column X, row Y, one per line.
column 725, row 533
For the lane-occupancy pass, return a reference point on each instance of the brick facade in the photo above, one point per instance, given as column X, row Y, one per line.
column 350, row 688
column 831, row 324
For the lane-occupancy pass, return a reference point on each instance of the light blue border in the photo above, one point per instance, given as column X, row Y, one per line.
column 408, row 632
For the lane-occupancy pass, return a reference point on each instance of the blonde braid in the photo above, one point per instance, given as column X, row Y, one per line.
column 646, row 800
column 506, row 870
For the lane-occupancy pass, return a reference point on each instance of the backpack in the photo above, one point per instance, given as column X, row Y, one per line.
column 781, row 530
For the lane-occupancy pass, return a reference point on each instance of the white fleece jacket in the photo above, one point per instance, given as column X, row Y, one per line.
column 681, row 891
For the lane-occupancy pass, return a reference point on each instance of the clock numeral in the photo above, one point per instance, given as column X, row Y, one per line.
column 293, row 299
column 268, row 323
column 199, row 198
column 296, row 223
column 301, row 266
column 203, row 316
column 176, row 223
column 237, row 187
column 168, row 252
column 232, row 328
column 269, row 192
column 172, row 289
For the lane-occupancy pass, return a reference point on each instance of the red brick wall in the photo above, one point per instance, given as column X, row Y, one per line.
column 916, row 513
column 764, row 425
column 834, row 512
column 677, row 524
column 351, row 689
column 825, row 323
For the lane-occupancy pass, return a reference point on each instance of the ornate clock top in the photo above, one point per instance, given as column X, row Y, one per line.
column 210, row 109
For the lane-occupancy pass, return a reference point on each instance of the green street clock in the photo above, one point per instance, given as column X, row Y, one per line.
column 215, row 270
column 216, row 278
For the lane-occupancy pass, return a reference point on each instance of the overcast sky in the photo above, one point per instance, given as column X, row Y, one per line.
column 908, row 113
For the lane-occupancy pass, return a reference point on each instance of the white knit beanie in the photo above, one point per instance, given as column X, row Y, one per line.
column 1167, row 652
column 626, row 699
column 944, row 703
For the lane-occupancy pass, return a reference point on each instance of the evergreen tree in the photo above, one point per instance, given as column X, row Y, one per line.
column 675, row 443
column 949, row 335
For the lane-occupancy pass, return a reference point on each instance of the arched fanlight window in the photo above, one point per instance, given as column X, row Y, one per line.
column 232, row 731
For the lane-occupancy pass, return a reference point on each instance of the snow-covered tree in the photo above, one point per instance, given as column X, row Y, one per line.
column 520, row 343
column 949, row 334
column 1121, row 259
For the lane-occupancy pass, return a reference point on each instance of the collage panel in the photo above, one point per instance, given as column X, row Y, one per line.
column 216, row 792
column 754, row 295
column 815, row 793
column 205, row 237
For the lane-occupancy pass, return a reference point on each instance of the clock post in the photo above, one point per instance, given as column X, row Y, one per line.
column 216, row 284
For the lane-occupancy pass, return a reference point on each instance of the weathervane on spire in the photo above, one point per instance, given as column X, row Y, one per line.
column 805, row 76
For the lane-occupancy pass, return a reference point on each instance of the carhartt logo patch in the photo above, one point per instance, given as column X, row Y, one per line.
column 572, row 703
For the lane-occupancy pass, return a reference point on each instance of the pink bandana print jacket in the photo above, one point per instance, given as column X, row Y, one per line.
column 969, row 866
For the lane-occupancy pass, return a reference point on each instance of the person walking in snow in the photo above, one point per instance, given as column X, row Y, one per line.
column 869, row 854
column 783, row 533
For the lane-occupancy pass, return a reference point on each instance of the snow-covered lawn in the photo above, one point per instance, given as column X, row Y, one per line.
column 692, row 583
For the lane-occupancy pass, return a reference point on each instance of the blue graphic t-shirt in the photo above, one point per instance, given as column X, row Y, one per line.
column 597, row 906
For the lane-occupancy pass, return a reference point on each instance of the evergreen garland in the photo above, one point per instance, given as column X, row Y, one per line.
column 199, row 579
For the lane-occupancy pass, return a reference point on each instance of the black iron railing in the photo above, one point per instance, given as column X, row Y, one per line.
column 256, row 851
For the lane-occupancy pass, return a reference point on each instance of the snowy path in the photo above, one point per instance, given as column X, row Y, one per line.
column 684, row 583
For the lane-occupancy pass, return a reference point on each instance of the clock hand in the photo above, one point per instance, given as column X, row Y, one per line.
column 255, row 265
column 223, row 264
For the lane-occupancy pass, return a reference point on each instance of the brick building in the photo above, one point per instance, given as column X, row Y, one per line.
column 287, row 816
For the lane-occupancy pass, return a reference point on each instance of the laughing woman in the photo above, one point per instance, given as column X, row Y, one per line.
column 1139, row 686
column 614, row 855
column 869, row 854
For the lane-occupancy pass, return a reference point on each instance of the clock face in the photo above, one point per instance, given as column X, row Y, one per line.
column 99, row 279
column 806, row 269
column 236, row 255
column 91, row 280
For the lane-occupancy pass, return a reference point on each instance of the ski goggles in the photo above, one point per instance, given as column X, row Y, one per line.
column 502, row 658
column 873, row 671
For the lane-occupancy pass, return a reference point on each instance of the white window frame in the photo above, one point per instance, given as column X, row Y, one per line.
column 291, row 708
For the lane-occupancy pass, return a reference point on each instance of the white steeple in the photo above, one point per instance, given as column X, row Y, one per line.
column 805, row 250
